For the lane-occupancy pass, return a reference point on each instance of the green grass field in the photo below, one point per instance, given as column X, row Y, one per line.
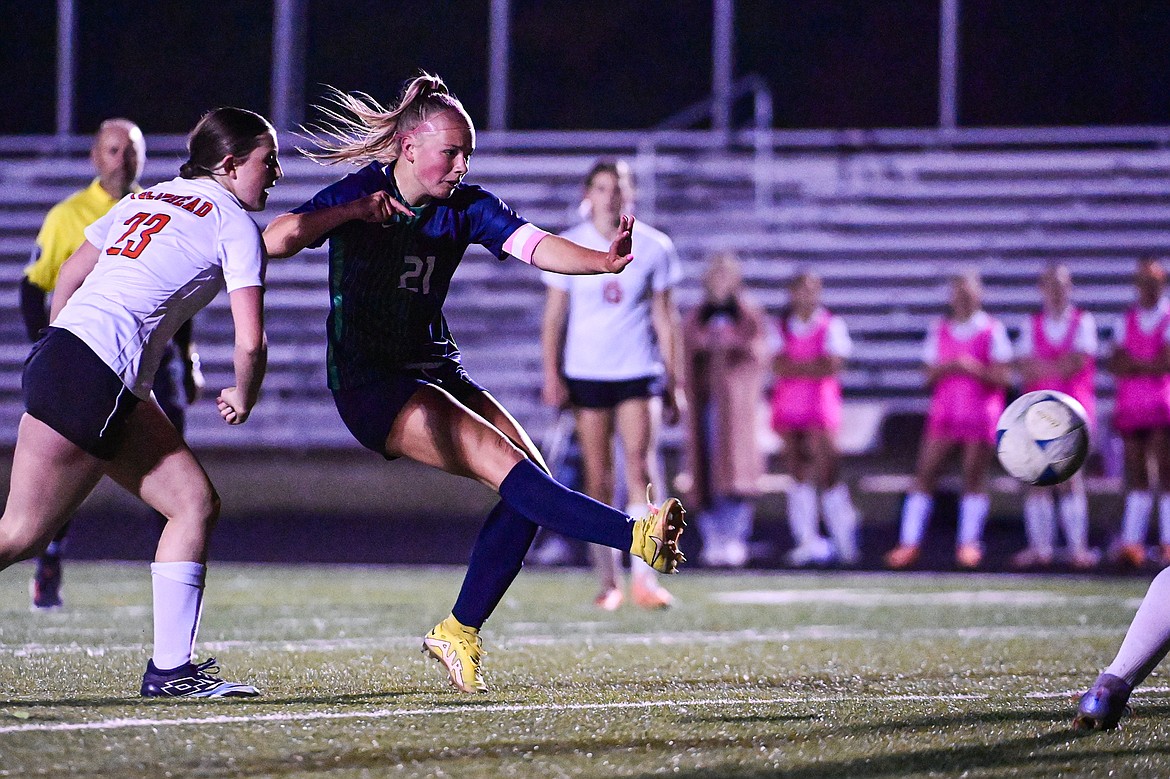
column 751, row 675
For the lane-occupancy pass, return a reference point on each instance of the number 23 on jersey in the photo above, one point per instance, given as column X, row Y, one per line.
column 140, row 229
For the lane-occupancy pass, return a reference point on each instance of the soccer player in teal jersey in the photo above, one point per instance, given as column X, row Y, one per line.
column 397, row 230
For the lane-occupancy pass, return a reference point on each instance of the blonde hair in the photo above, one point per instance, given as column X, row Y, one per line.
column 358, row 129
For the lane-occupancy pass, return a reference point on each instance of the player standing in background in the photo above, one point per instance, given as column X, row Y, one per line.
column 967, row 356
column 725, row 342
column 611, row 352
column 118, row 154
column 147, row 266
column 806, row 412
column 397, row 230
column 1140, row 361
column 1057, row 350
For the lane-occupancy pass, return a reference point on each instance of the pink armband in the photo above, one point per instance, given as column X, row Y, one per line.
column 522, row 243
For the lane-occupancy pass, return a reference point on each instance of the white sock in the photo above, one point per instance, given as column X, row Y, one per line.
column 973, row 508
column 1074, row 518
column 640, row 572
column 841, row 518
column 915, row 514
column 1148, row 637
column 802, row 513
column 178, row 599
column 1164, row 518
column 1135, row 522
column 1040, row 520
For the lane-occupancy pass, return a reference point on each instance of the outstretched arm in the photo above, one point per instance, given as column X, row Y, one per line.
column 561, row 255
column 73, row 273
column 287, row 234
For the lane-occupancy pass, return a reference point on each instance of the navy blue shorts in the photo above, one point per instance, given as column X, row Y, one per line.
column 585, row 393
column 369, row 411
column 71, row 390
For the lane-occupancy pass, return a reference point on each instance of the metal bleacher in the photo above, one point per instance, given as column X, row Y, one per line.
column 885, row 227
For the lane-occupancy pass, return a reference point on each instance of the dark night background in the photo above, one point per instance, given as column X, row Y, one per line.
column 595, row 65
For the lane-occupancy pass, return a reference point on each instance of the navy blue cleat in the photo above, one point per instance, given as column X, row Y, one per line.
column 1103, row 706
column 45, row 586
column 192, row 681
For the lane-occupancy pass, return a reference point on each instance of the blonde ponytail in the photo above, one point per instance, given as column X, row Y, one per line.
column 357, row 129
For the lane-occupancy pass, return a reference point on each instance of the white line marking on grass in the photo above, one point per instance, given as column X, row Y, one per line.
column 142, row 722
column 504, row 642
column 869, row 598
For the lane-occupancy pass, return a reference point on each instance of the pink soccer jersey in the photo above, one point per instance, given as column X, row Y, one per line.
column 807, row 402
column 1143, row 402
column 962, row 408
column 1079, row 386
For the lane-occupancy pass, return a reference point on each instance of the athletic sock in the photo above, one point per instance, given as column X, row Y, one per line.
column 1164, row 519
column 495, row 561
column 541, row 499
column 1148, row 638
column 1040, row 520
column 802, row 513
column 973, row 509
column 841, row 519
column 1074, row 518
column 178, row 600
column 915, row 514
column 1135, row 522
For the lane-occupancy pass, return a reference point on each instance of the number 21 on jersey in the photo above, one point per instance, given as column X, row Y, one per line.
column 140, row 229
column 416, row 276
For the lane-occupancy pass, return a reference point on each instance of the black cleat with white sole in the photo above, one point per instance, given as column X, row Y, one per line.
column 192, row 681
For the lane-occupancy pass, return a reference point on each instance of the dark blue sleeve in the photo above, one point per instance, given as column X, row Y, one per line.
column 492, row 222
column 356, row 185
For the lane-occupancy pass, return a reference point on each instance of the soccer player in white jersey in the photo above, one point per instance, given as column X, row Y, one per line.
column 611, row 350
column 145, row 268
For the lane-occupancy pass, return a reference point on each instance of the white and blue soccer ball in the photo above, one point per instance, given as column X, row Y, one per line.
column 1043, row 437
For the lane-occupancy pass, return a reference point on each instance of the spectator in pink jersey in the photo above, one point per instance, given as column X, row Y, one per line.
column 1141, row 363
column 806, row 412
column 1057, row 350
column 725, row 350
column 967, row 358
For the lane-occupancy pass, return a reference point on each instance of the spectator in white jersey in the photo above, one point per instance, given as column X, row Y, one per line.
column 611, row 350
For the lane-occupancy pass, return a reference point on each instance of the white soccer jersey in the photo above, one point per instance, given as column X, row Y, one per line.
column 165, row 253
column 610, row 334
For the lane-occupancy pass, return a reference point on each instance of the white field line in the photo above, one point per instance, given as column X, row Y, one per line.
column 868, row 598
column 123, row 723
column 589, row 640
column 811, row 633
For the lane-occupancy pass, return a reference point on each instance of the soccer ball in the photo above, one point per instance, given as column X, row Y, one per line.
column 1042, row 438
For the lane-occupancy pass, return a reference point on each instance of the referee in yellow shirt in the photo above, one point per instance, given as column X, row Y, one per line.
column 118, row 155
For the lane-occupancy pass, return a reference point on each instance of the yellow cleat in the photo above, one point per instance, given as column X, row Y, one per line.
column 459, row 649
column 656, row 536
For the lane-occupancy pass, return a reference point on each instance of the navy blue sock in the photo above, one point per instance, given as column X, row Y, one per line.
column 550, row 504
column 496, row 559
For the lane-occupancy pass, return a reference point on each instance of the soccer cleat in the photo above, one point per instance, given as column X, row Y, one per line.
column 1103, row 706
column 1132, row 555
column 650, row 596
column 815, row 551
column 459, row 649
column 1084, row 559
column 45, row 587
column 1030, row 557
column 656, row 536
column 192, row 681
column 902, row 556
column 968, row 556
column 609, row 599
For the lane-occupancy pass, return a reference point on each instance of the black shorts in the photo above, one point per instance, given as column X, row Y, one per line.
column 585, row 393
column 369, row 411
column 71, row 390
